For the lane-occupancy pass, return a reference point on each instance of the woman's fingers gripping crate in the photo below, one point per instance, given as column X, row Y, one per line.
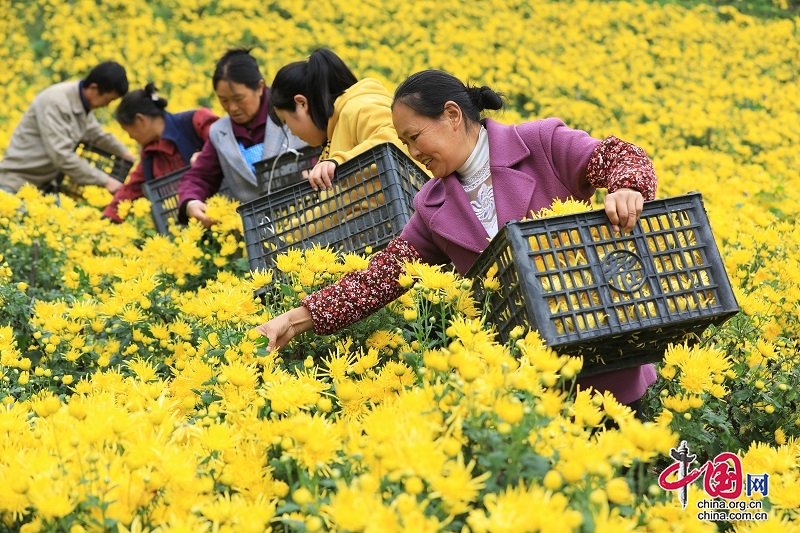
column 370, row 202
column 617, row 300
column 163, row 195
column 113, row 165
column 285, row 169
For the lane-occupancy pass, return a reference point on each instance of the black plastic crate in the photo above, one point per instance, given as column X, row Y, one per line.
column 113, row 165
column 370, row 202
column 285, row 169
column 163, row 195
column 616, row 300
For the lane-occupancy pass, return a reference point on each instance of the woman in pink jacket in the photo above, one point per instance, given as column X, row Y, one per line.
column 485, row 174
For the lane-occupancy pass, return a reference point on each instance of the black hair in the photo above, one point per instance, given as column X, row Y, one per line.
column 237, row 66
column 109, row 76
column 322, row 78
column 426, row 93
column 141, row 101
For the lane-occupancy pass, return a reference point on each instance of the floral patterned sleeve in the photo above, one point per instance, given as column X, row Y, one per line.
column 359, row 294
column 616, row 164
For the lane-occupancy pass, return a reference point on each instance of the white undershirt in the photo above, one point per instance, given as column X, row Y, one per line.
column 475, row 177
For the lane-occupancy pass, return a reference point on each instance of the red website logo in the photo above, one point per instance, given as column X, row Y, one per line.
column 722, row 476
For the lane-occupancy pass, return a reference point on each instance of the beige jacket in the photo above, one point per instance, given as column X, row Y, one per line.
column 43, row 143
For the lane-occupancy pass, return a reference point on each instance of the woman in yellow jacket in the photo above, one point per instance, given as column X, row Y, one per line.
column 323, row 103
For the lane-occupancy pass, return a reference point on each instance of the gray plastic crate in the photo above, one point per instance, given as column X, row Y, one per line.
column 285, row 169
column 163, row 195
column 371, row 201
column 616, row 300
column 111, row 164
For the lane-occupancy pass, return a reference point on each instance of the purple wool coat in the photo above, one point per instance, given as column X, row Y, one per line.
column 531, row 165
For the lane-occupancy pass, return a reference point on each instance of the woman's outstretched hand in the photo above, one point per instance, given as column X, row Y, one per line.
column 623, row 208
column 197, row 209
column 283, row 328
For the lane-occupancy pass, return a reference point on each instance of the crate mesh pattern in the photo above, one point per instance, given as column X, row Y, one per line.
column 370, row 202
column 616, row 300
column 163, row 195
column 285, row 169
column 111, row 164
column 276, row 172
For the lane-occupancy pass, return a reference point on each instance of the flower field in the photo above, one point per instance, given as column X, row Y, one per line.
column 136, row 397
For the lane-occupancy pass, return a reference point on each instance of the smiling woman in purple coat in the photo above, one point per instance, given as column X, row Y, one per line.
column 485, row 174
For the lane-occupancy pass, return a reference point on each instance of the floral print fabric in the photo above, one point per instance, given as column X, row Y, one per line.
column 616, row 164
column 359, row 294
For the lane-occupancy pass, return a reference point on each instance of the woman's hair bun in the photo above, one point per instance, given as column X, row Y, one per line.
column 151, row 91
column 485, row 97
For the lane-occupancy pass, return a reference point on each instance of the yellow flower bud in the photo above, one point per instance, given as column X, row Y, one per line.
column 470, row 371
column 552, row 480
column 618, row 491
column 302, row 496
column 324, row 404
column 347, row 391
column 598, row 497
column 413, row 485
column 314, row 524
